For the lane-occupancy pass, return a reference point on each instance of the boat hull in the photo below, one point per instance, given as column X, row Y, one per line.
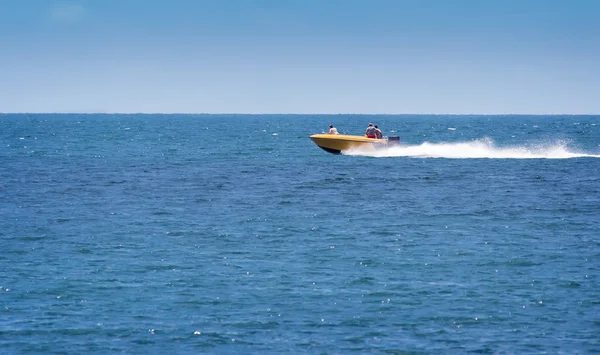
column 337, row 143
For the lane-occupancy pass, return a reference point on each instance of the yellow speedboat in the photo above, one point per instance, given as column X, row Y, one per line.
column 336, row 143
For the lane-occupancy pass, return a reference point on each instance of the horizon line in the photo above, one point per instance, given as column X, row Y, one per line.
column 298, row 114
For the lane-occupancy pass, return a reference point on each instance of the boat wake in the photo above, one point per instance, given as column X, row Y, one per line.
column 482, row 148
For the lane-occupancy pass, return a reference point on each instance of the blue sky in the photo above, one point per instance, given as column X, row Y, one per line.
column 300, row 56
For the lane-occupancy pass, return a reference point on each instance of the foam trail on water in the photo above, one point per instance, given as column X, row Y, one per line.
column 483, row 148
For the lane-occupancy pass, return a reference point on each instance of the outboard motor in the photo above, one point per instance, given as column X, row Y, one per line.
column 392, row 141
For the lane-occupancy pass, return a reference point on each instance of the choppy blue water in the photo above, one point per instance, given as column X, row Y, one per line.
column 236, row 234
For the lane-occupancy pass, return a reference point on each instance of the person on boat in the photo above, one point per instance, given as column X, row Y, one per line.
column 332, row 130
column 378, row 133
column 371, row 132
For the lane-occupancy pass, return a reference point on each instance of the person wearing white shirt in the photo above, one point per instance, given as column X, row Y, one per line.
column 378, row 133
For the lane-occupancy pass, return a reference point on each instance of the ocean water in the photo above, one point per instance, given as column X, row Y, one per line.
column 235, row 234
